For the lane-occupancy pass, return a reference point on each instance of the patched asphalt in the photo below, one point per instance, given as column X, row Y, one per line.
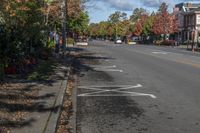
column 102, row 107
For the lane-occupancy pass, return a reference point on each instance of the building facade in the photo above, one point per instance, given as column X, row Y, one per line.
column 188, row 15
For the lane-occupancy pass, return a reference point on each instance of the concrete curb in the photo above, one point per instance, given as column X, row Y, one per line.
column 53, row 119
column 74, row 103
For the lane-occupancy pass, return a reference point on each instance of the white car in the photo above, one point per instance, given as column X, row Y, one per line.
column 118, row 41
column 81, row 42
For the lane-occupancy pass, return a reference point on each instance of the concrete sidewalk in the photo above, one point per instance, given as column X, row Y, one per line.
column 43, row 118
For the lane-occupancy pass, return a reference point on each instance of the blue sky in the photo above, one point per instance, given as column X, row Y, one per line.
column 99, row 10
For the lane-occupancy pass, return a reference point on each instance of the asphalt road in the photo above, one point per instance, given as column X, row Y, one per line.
column 137, row 89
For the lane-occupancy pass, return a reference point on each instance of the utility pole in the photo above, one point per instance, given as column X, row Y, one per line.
column 64, row 15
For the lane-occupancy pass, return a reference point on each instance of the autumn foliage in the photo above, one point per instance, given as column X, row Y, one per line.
column 25, row 25
column 164, row 23
column 140, row 24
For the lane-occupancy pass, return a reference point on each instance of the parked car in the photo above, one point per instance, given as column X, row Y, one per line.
column 81, row 42
column 118, row 41
column 133, row 40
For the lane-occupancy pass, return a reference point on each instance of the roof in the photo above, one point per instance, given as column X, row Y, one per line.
column 196, row 9
column 187, row 6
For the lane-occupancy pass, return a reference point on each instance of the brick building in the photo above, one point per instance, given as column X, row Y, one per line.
column 188, row 15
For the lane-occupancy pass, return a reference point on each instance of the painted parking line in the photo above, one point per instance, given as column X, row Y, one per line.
column 160, row 52
column 134, row 94
column 119, row 89
column 113, row 66
column 107, row 68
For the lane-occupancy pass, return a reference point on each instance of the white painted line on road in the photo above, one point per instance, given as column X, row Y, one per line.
column 137, row 94
column 111, row 86
column 108, row 70
column 113, row 66
column 120, row 95
column 119, row 89
column 107, row 90
column 161, row 52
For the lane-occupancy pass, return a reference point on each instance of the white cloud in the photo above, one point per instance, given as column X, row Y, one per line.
column 122, row 5
column 129, row 5
column 157, row 3
column 101, row 9
column 151, row 3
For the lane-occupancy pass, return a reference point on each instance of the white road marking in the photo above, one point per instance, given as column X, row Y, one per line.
column 119, row 89
column 111, row 86
column 103, row 90
column 160, row 52
column 120, row 95
column 113, row 66
column 107, row 68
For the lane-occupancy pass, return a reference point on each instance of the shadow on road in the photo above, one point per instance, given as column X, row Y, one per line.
column 101, row 110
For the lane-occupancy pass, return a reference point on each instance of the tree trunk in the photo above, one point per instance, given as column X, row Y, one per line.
column 47, row 16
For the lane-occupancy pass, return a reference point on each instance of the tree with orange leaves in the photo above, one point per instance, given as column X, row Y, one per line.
column 140, row 24
column 164, row 23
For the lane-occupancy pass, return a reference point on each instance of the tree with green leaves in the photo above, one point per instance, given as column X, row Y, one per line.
column 92, row 30
column 139, row 25
column 78, row 24
column 163, row 8
column 24, row 24
column 117, row 17
column 137, row 13
column 103, row 29
column 148, row 24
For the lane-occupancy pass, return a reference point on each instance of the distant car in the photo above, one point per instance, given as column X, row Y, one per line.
column 81, row 42
column 118, row 41
column 133, row 40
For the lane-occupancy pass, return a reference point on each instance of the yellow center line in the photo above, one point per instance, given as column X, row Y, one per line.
column 188, row 63
column 182, row 61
